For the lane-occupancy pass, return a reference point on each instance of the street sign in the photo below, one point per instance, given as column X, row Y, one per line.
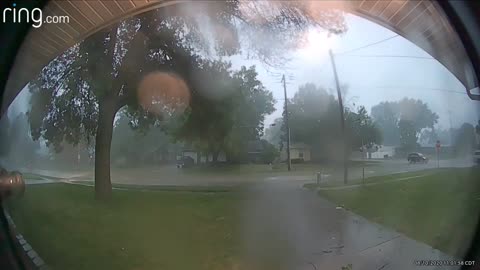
column 437, row 145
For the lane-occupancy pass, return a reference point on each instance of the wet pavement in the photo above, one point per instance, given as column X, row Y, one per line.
column 39, row 182
column 303, row 231
column 56, row 173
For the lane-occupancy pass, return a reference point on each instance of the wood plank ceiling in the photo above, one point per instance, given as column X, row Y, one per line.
column 421, row 22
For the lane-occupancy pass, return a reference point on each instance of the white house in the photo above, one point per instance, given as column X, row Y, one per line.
column 384, row 151
column 203, row 159
column 298, row 151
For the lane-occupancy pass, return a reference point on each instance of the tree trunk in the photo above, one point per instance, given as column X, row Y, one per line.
column 103, row 141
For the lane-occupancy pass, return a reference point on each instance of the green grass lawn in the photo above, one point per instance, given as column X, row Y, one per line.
column 373, row 179
column 135, row 230
column 440, row 208
column 203, row 189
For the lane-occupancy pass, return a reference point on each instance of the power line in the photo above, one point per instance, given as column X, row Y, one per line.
column 391, row 56
column 368, row 45
column 424, row 88
column 405, row 87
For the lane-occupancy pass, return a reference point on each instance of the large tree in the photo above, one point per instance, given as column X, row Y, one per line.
column 388, row 114
column 428, row 136
column 312, row 113
column 226, row 112
column 361, row 131
column 408, row 135
column 465, row 141
column 386, row 117
column 273, row 133
column 314, row 120
column 77, row 96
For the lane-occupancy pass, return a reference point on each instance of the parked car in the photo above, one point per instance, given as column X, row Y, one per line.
column 417, row 158
column 185, row 162
column 476, row 157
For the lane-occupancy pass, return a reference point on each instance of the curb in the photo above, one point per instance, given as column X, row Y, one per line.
column 35, row 259
column 369, row 184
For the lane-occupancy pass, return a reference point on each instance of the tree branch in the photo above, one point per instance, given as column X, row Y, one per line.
column 123, row 100
column 64, row 77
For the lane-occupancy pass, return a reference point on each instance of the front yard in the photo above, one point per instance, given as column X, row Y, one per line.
column 175, row 228
column 135, row 230
column 439, row 208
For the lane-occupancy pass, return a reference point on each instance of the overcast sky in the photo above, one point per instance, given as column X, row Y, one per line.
column 370, row 80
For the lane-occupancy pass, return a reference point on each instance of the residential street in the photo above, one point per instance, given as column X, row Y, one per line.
column 172, row 176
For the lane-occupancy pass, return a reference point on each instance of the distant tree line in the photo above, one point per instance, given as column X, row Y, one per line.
column 314, row 120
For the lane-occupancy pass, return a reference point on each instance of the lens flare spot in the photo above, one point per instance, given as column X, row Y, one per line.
column 163, row 94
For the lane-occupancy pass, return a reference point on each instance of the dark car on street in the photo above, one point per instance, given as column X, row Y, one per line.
column 417, row 158
column 185, row 162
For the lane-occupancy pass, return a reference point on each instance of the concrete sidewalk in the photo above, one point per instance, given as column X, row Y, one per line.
column 307, row 232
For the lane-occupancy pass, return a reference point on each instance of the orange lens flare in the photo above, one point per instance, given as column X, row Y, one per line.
column 163, row 94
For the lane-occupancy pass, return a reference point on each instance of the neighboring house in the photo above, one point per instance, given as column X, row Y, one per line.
column 188, row 152
column 384, row 151
column 381, row 153
column 160, row 155
column 222, row 157
column 298, row 151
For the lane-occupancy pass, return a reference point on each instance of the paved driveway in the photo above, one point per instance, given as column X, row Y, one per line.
column 304, row 231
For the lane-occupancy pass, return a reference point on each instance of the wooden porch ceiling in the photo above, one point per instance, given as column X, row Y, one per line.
column 421, row 22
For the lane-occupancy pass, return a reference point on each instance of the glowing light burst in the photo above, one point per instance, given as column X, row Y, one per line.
column 317, row 45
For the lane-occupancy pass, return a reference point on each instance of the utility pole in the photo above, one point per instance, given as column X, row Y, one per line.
column 364, row 151
column 342, row 119
column 286, row 123
column 450, row 122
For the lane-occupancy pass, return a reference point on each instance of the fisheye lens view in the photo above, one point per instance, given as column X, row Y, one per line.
column 240, row 135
